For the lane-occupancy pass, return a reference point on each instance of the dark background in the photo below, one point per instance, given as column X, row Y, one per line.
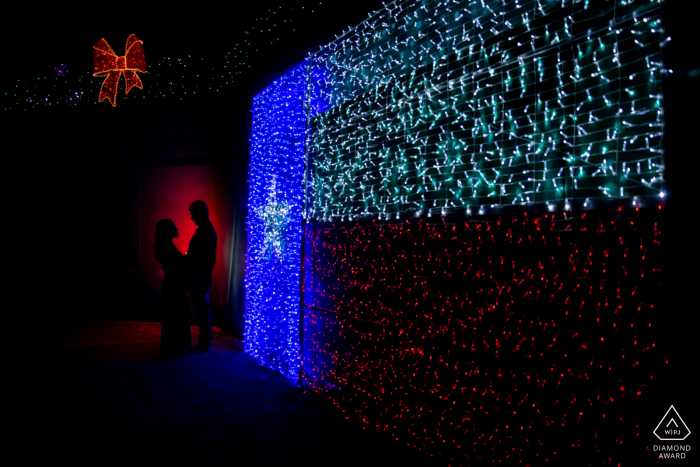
column 75, row 180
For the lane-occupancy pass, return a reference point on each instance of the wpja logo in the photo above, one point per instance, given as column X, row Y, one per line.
column 672, row 428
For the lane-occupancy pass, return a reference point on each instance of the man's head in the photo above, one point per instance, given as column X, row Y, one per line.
column 199, row 212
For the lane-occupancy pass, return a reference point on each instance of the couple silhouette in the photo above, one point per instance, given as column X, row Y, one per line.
column 191, row 271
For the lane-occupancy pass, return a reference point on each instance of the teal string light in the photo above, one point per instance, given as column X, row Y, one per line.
column 452, row 105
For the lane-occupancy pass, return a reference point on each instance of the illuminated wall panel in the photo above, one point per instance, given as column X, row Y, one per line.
column 274, row 224
column 475, row 338
column 461, row 105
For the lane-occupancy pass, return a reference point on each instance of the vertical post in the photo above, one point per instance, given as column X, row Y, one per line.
column 307, row 104
column 302, row 273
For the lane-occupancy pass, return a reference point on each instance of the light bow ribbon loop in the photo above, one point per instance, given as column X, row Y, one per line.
column 108, row 64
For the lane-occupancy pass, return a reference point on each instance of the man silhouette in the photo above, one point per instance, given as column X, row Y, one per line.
column 201, row 256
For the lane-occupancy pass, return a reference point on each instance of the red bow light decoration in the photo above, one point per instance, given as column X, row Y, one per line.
column 108, row 64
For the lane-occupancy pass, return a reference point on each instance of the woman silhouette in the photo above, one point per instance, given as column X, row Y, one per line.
column 175, row 334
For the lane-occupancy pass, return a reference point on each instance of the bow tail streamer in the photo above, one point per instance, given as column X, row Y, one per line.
column 131, row 79
column 109, row 88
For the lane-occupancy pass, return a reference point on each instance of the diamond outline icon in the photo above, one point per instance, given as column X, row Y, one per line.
column 679, row 418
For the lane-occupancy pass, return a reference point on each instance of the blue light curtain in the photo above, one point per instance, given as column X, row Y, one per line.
column 274, row 224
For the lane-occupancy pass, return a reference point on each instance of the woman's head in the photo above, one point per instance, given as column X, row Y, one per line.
column 165, row 230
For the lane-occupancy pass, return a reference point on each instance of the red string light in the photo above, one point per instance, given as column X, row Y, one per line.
column 107, row 63
column 449, row 334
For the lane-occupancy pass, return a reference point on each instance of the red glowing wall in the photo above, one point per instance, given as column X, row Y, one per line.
column 167, row 193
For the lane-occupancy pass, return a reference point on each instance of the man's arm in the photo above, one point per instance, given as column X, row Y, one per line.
column 209, row 259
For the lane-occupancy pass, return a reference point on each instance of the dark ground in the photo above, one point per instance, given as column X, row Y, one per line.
column 104, row 398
